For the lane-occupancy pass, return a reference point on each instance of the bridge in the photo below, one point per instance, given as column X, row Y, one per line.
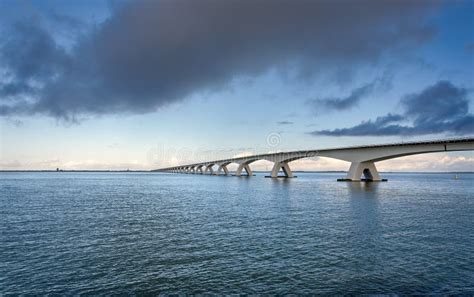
column 362, row 158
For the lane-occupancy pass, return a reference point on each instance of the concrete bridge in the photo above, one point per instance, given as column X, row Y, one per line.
column 362, row 158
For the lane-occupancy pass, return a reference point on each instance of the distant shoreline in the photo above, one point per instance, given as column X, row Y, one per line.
column 256, row 171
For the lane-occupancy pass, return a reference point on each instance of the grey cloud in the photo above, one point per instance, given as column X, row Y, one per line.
column 285, row 123
column 440, row 102
column 440, row 108
column 353, row 99
column 380, row 127
column 343, row 103
column 31, row 53
column 66, row 21
column 149, row 54
column 13, row 89
column 31, row 58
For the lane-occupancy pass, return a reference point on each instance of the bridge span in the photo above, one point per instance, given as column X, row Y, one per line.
column 362, row 158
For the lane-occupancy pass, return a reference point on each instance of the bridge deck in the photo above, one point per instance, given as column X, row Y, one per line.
column 310, row 153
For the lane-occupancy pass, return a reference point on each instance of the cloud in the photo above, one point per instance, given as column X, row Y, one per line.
column 440, row 108
column 329, row 104
column 342, row 103
column 66, row 22
column 150, row 54
column 380, row 127
column 30, row 58
column 285, row 123
column 10, row 165
column 435, row 162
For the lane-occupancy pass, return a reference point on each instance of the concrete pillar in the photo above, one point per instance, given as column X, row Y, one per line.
column 368, row 169
column 222, row 168
column 209, row 168
column 242, row 167
column 281, row 165
column 199, row 169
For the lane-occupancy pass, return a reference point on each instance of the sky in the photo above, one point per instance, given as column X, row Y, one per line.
column 149, row 84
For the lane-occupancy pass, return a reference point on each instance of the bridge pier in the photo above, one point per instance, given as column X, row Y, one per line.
column 222, row 167
column 209, row 168
column 199, row 169
column 358, row 169
column 241, row 167
column 283, row 166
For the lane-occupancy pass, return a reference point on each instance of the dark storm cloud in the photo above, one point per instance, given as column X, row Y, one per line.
column 13, row 89
column 31, row 53
column 152, row 53
column 440, row 108
column 30, row 56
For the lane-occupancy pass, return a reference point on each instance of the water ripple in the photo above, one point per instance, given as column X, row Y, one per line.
column 104, row 233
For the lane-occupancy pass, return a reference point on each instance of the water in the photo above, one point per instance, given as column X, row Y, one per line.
column 103, row 233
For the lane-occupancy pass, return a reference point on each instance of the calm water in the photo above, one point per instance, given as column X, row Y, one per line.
column 103, row 233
